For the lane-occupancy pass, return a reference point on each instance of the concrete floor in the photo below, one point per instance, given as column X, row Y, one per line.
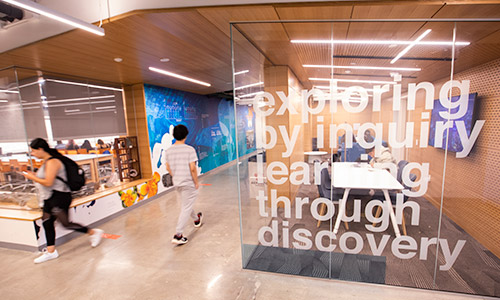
column 143, row 264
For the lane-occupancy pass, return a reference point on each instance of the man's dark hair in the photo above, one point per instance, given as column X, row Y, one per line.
column 180, row 132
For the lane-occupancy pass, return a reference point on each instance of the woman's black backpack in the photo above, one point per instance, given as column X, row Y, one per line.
column 75, row 174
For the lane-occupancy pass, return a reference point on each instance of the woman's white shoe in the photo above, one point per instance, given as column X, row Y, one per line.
column 95, row 239
column 46, row 256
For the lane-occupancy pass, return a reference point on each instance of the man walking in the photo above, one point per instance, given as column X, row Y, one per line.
column 180, row 160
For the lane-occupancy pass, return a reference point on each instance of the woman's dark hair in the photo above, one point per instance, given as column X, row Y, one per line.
column 100, row 142
column 40, row 143
column 180, row 132
column 86, row 145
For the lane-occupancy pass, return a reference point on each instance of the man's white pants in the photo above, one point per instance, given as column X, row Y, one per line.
column 187, row 196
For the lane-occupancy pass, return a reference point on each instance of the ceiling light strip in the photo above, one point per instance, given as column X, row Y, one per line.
column 7, row 91
column 379, row 42
column 81, row 99
column 8, row 108
column 50, row 13
column 405, row 50
column 241, row 72
column 77, row 104
column 179, row 76
column 251, row 94
column 353, row 80
column 39, row 81
column 362, row 68
column 248, row 85
column 91, row 112
column 105, row 107
column 326, row 87
column 86, row 85
column 355, row 96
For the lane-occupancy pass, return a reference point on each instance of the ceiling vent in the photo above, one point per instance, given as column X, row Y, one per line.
column 8, row 13
column 11, row 16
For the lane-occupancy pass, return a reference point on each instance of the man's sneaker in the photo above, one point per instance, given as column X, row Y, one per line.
column 197, row 223
column 179, row 239
column 46, row 256
column 96, row 237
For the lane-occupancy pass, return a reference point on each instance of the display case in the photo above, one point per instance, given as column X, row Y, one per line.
column 127, row 154
column 67, row 113
column 79, row 118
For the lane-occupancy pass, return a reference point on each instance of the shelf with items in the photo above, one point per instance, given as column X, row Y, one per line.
column 105, row 166
column 127, row 153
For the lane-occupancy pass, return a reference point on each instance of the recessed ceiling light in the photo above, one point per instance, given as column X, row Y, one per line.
column 178, row 76
column 118, row 59
column 348, row 71
column 164, row 59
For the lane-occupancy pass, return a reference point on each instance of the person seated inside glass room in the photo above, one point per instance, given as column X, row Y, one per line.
column 72, row 145
column 60, row 145
column 86, row 145
column 102, row 145
column 384, row 157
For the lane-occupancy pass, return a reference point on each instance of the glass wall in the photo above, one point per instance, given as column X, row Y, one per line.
column 81, row 119
column 376, row 151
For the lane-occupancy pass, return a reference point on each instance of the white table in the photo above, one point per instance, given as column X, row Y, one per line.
column 349, row 176
column 314, row 155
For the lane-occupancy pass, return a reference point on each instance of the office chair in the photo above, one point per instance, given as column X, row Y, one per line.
column 325, row 191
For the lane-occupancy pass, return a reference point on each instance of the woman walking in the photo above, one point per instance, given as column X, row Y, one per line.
column 56, row 197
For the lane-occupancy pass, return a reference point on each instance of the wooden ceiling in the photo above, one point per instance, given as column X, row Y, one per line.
column 197, row 42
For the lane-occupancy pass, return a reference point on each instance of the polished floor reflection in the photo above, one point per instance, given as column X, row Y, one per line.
column 143, row 264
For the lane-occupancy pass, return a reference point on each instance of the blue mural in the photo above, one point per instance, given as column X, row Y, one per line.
column 210, row 121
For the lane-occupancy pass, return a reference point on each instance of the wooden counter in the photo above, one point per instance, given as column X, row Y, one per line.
column 32, row 215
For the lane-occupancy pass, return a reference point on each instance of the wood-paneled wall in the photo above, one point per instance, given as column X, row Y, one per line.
column 137, row 125
column 472, row 184
column 280, row 78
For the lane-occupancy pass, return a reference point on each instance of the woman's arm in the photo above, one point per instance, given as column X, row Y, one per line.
column 52, row 166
